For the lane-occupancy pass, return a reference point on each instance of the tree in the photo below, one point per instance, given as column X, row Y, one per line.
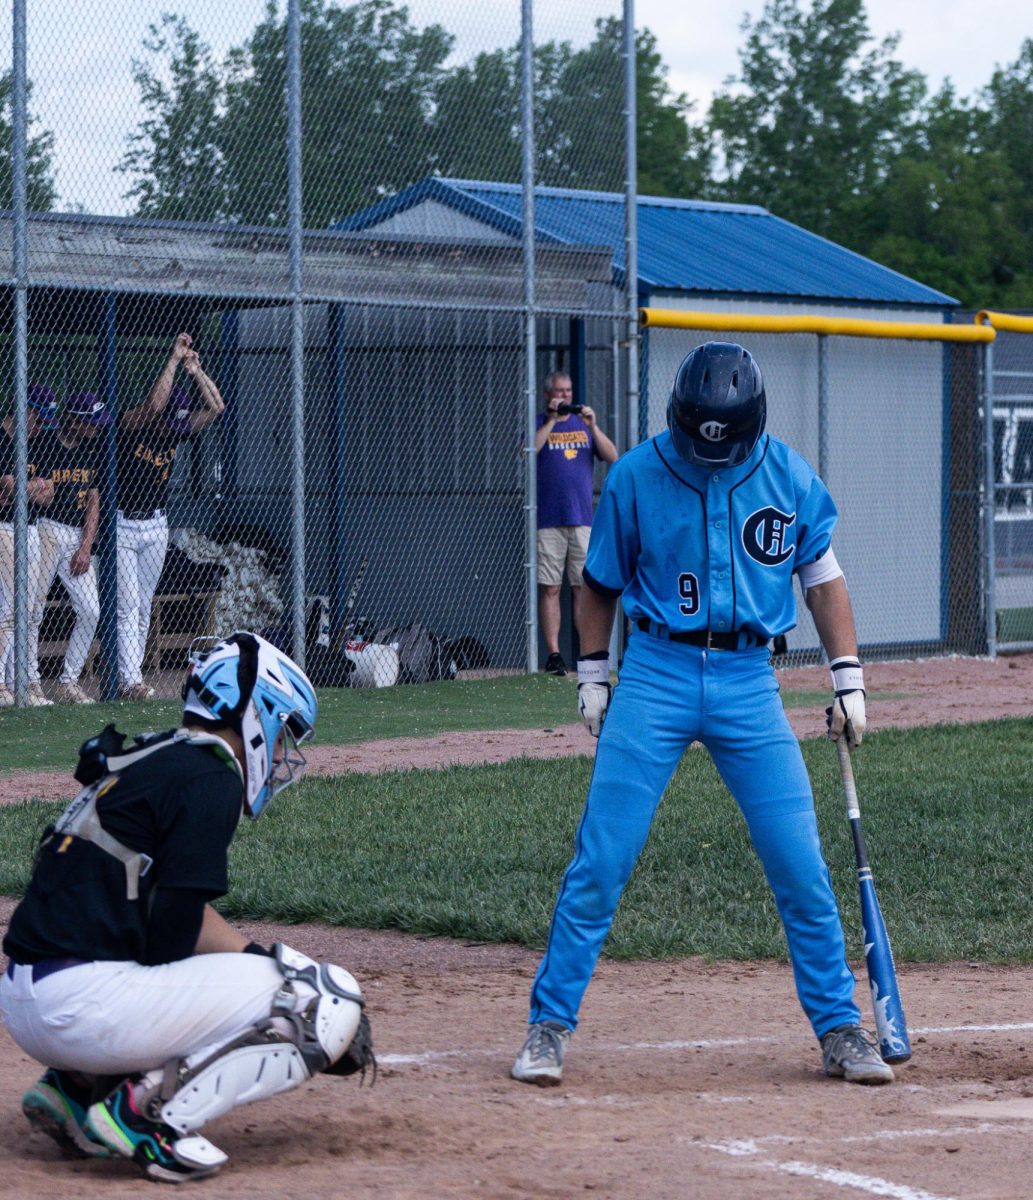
column 954, row 208
column 1008, row 99
column 817, row 113
column 40, row 189
column 213, row 144
column 476, row 123
column 579, row 125
column 175, row 153
column 674, row 156
column 369, row 81
column 381, row 110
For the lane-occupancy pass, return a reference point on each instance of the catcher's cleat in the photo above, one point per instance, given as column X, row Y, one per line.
column 56, row 1106
column 852, row 1053
column 540, row 1060
column 157, row 1148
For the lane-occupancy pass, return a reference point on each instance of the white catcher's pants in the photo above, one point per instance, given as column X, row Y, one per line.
column 58, row 542
column 117, row 1018
column 141, row 555
column 7, row 602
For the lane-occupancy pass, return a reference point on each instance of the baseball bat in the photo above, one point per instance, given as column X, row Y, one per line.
column 349, row 603
column 890, row 1022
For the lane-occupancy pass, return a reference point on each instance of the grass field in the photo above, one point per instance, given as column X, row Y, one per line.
column 48, row 738
column 1015, row 624
column 477, row 852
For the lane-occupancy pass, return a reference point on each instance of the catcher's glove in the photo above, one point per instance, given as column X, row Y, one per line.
column 359, row 1054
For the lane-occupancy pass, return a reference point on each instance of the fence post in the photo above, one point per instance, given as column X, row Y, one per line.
column 823, row 408
column 990, row 502
column 530, row 333
column 107, row 556
column 19, row 132
column 636, row 431
column 294, row 221
column 335, row 343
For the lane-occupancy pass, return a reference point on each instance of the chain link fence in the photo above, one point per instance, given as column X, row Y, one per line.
column 286, row 281
column 258, row 394
column 1010, row 379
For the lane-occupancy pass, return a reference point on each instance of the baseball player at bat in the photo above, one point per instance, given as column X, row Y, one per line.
column 150, row 1012
column 698, row 533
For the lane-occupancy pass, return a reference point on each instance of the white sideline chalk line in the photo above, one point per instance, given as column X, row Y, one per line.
column 872, row 1184
column 430, row 1056
column 882, row 1135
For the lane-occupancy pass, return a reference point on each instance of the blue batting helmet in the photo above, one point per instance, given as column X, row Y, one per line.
column 718, row 408
column 245, row 683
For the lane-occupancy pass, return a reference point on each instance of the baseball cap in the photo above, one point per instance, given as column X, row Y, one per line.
column 87, row 407
column 43, row 400
column 178, row 410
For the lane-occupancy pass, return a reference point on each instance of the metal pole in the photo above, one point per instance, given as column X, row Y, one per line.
column 107, row 554
column 823, row 408
column 335, row 349
column 229, row 386
column 635, row 432
column 19, row 129
column 297, row 352
column 990, row 502
column 530, row 340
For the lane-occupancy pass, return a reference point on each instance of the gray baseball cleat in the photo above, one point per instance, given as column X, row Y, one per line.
column 540, row 1060
column 56, row 1105
column 852, row 1053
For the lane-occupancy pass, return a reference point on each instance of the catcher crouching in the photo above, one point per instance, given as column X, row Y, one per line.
column 150, row 1012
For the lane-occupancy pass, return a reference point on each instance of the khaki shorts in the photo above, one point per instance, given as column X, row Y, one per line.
column 559, row 545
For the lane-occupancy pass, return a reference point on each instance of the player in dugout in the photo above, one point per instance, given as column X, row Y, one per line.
column 151, row 1013
column 699, row 532
column 148, row 439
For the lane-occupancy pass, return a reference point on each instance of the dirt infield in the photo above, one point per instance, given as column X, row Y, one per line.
column 686, row 1079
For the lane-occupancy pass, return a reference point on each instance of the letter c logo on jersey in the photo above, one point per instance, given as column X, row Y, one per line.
column 765, row 536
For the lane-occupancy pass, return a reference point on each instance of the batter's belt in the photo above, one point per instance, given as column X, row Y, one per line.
column 710, row 639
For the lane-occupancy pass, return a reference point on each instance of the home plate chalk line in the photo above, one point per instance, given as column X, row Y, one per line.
column 751, row 1148
column 431, row 1056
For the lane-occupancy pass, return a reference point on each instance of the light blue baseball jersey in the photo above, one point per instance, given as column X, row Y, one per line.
column 695, row 549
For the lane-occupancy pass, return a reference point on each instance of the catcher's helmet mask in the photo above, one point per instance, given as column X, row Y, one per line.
column 718, row 407
column 248, row 685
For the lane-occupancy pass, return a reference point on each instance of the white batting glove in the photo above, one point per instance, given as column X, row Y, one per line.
column 846, row 716
column 593, row 692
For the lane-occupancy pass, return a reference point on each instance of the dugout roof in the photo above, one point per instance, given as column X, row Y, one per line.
column 691, row 246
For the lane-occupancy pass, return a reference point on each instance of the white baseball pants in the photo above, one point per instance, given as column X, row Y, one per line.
column 58, row 542
column 114, row 1018
column 141, row 555
column 7, row 602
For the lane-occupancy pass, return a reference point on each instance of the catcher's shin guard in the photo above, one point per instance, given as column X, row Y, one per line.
column 315, row 1017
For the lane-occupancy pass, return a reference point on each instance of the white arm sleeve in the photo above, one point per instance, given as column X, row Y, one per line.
column 821, row 571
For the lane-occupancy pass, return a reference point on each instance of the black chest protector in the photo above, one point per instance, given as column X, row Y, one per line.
column 101, row 760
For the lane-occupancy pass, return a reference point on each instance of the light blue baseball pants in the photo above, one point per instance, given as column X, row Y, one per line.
column 671, row 694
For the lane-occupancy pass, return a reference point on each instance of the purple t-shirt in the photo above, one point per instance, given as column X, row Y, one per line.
column 565, row 474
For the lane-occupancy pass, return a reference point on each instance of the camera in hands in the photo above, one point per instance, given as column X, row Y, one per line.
column 565, row 410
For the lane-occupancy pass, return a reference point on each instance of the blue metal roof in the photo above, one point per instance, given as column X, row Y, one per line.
column 683, row 245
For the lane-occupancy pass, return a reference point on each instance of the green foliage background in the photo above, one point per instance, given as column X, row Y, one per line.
column 822, row 124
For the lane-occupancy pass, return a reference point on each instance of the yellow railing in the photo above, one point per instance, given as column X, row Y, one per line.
column 1006, row 321
column 671, row 318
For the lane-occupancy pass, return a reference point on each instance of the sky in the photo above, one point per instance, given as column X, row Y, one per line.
column 80, row 55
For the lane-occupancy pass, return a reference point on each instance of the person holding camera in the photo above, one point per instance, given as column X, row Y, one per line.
column 567, row 441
